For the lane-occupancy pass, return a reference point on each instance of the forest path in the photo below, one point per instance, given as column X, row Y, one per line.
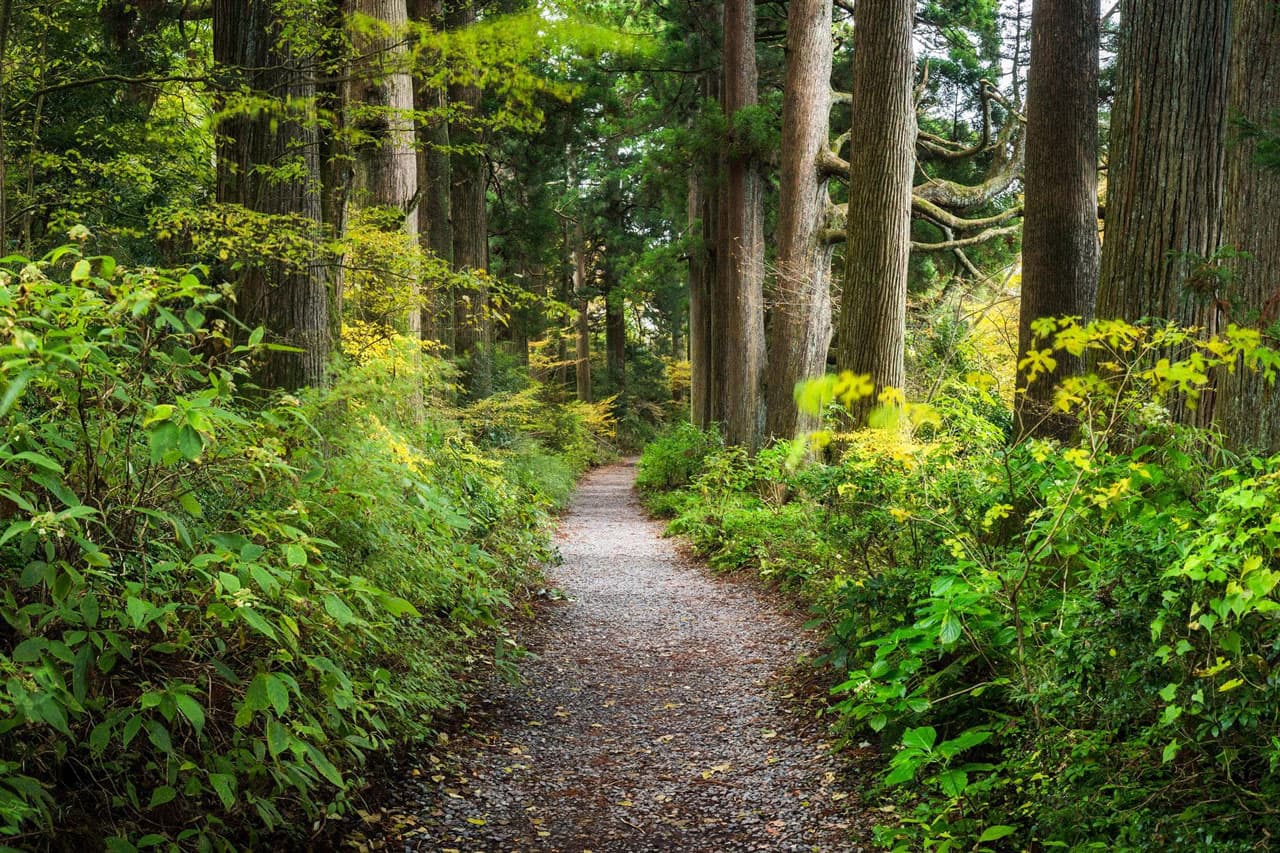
column 656, row 717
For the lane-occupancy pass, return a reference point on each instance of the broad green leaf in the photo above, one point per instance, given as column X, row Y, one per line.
column 191, row 709
column 278, row 693
column 278, row 737
column 995, row 833
column 951, row 629
column 224, row 785
column 922, row 738
column 190, row 443
column 257, row 621
column 160, row 796
column 953, row 782
column 338, row 609
column 295, row 555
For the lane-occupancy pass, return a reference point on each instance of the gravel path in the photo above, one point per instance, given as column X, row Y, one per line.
column 656, row 717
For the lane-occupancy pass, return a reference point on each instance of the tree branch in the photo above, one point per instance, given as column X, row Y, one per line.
column 963, row 242
column 1005, row 169
column 832, row 165
column 117, row 78
column 929, row 210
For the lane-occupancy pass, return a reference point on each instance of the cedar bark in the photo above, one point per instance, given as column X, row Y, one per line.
column 1249, row 408
column 473, row 325
column 386, row 165
column 703, row 216
column 800, row 322
column 738, row 305
column 290, row 300
column 615, row 336
column 1060, row 223
column 615, row 320
column 583, row 324
column 435, row 183
column 1164, row 188
column 882, row 157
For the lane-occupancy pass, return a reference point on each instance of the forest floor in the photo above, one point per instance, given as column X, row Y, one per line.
column 663, row 712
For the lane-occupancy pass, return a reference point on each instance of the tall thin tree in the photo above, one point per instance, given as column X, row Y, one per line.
column 473, row 324
column 738, row 303
column 800, row 316
column 873, row 310
column 268, row 162
column 1248, row 406
column 1060, row 223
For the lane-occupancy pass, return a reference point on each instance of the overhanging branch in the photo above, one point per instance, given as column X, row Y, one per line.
column 964, row 242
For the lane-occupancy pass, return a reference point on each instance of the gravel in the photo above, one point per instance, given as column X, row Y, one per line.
column 659, row 714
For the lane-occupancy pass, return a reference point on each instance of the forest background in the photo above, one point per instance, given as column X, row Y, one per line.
column 951, row 318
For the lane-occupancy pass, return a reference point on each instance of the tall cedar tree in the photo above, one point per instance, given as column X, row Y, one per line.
column 703, row 213
column 582, row 324
column 386, row 165
column 738, row 303
column 1060, row 225
column 1164, row 181
column 1248, row 407
column 873, row 312
column 434, row 181
column 473, row 324
column 800, row 319
column 268, row 162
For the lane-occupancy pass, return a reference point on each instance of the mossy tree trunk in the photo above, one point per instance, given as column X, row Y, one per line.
column 268, row 162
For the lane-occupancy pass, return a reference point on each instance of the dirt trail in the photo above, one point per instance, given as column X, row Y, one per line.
column 655, row 718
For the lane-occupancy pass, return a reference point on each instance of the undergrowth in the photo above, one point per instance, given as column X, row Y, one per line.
column 1059, row 645
column 215, row 606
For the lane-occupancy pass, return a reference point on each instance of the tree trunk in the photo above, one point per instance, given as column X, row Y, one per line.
column 473, row 326
column 6, row 15
column 583, row 325
column 1060, row 225
column 1164, row 182
column 289, row 299
column 435, row 184
column 564, row 293
column 702, row 215
column 615, row 338
column 800, row 322
column 1249, row 408
column 739, row 294
column 882, row 157
column 386, row 165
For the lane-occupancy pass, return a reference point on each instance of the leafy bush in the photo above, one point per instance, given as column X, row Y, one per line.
column 212, row 612
column 1060, row 645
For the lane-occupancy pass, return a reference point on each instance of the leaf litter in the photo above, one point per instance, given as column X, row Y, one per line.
column 658, row 714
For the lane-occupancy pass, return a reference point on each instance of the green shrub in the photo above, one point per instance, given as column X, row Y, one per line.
column 212, row 611
column 674, row 459
column 1059, row 645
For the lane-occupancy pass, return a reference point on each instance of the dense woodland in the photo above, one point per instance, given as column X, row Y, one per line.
column 950, row 319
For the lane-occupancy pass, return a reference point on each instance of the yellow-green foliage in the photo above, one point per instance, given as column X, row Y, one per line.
column 211, row 612
column 1059, row 645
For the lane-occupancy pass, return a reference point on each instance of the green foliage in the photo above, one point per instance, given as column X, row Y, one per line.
column 1058, row 645
column 212, row 613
